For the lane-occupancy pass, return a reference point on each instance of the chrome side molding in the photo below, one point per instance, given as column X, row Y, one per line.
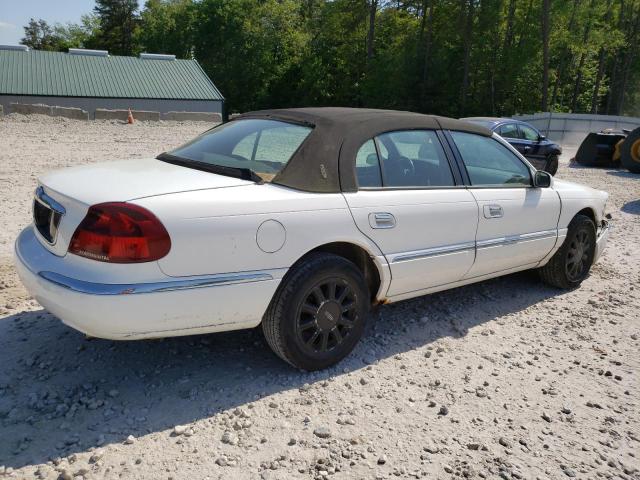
column 511, row 239
column 462, row 247
column 432, row 252
column 92, row 288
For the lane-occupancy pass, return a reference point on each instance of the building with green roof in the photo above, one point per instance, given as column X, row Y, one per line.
column 91, row 79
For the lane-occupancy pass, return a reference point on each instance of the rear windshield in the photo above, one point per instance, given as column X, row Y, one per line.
column 262, row 146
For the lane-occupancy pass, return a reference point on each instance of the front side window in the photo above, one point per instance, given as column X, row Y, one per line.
column 510, row 130
column 411, row 158
column 489, row 163
column 529, row 133
column 261, row 147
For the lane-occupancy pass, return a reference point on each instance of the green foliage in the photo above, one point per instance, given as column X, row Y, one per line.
column 450, row 57
column 168, row 26
column 118, row 26
column 39, row 35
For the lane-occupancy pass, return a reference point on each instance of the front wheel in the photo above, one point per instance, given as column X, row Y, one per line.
column 570, row 265
column 318, row 313
column 552, row 164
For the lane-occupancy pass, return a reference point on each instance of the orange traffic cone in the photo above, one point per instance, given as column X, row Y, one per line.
column 130, row 117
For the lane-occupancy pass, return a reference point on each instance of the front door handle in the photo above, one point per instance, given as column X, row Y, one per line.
column 493, row 211
column 382, row 220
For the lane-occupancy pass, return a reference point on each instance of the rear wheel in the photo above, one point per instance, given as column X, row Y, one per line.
column 318, row 314
column 570, row 265
column 630, row 152
column 552, row 164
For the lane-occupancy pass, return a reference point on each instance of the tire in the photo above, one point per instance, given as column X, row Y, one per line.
column 630, row 152
column 318, row 313
column 563, row 271
column 552, row 164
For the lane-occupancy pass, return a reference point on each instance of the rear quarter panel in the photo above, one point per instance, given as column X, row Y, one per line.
column 215, row 231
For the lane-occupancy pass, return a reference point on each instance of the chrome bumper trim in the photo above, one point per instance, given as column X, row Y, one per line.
column 92, row 288
column 47, row 201
column 432, row 252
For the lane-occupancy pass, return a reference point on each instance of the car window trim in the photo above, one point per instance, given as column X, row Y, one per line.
column 383, row 175
column 508, row 124
column 455, row 173
column 462, row 165
column 524, row 138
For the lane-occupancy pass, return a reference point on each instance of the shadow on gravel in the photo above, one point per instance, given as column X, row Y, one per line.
column 624, row 174
column 61, row 393
column 632, row 207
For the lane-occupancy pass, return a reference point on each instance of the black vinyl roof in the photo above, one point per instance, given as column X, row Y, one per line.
column 325, row 162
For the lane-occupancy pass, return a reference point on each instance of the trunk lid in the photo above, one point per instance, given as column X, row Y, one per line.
column 126, row 180
column 76, row 189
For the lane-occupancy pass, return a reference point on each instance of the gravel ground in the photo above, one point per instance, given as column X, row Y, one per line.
column 503, row 379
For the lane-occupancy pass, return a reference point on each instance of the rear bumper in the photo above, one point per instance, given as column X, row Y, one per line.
column 167, row 307
column 602, row 237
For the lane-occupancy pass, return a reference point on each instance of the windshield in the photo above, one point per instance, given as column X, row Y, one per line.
column 262, row 147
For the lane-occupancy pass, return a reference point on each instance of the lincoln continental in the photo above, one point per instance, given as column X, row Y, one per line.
column 299, row 220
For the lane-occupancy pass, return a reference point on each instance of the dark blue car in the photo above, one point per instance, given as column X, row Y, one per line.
column 540, row 151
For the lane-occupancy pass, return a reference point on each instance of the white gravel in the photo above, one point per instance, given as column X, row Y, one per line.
column 503, row 379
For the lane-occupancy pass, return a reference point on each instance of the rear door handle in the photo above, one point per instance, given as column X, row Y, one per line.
column 382, row 220
column 493, row 211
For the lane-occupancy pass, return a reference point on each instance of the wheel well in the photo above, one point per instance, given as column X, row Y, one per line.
column 360, row 257
column 588, row 212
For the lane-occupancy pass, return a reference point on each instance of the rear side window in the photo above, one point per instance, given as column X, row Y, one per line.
column 509, row 130
column 411, row 158
column 368, row 166
column 489, row 163
column 262, row 146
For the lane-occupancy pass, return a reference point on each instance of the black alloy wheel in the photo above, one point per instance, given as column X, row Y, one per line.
column 570, row 265
column 578, row 256
column 318, row 313
column 326, row 316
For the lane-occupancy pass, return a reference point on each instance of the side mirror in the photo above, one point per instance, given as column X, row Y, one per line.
column 542, row 179
column 541, row 137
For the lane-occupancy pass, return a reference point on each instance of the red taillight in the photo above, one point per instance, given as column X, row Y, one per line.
column 120, row 233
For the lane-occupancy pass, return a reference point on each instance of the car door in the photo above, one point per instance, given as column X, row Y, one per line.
column 409, row 203
column 518, row 223
column 533, row 149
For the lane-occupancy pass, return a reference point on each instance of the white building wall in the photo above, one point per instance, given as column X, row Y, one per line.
column 571, row 128
column 90, row 104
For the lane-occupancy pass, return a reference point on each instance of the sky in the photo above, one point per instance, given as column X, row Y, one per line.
column 14, row 14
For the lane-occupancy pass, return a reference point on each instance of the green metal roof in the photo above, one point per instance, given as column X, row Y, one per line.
column 62, row 74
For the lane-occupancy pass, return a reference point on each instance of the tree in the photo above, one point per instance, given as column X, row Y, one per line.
column 373, row 9
column 39, row 35
column 168, row 26
column 449, row 57
column 546, row 12
column 118, row 24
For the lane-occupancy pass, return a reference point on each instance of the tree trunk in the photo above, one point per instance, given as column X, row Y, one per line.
column 615, row 68
column 467, row 56
column 373, row 8
column 595, row 99
column 585, row 38
column 428, row 23
column 629, row 59
column 565, row 57
column 546, row 7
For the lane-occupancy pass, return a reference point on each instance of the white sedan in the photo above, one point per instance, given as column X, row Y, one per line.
column 299, row 219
